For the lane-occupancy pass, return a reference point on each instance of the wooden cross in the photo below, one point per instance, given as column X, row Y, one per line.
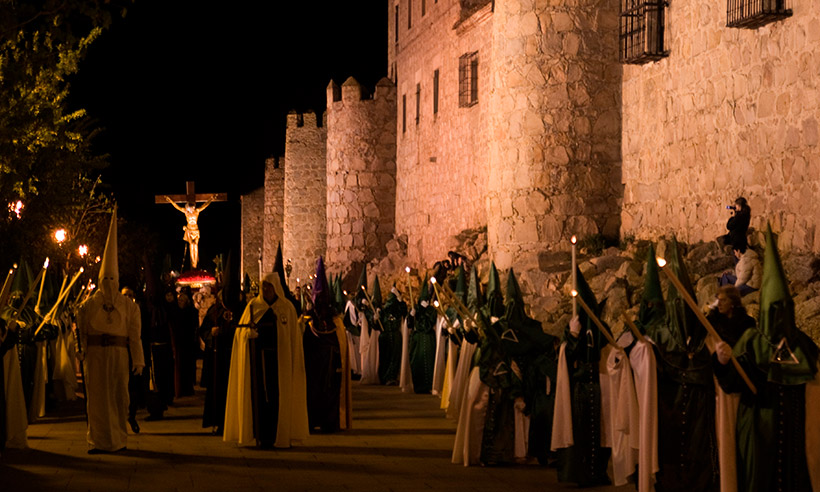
column 191, row 197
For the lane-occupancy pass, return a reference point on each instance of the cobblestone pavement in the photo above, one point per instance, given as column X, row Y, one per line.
column 399, row 442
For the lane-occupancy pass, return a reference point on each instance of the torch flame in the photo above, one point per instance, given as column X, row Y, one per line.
column 574, row 239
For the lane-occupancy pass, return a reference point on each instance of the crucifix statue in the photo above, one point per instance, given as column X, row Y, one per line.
column 191, row 211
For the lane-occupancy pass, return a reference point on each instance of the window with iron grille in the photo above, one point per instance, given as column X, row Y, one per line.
column 435, row 91
column 418, row 103
column 751, row 14
column 468, row 79
column 642, row 31
column 404, row 113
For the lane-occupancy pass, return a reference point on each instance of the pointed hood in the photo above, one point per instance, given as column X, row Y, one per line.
column 279, row 269
column 475, row 299
column 338, row 295
column 587, row 325
column 424, row 295
column 682, row 322
column 320, row 294
column 376, row 294
column 109, row 278
column 514, row 302
column 652, row 308
column 777, row 325
column 521, row 334
column 461, row 284
column 22, row 278
column 362, row 283
column 495, row 299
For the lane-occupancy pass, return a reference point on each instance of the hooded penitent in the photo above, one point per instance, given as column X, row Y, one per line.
column 109, row 327
column 777, row 332
column 687, row 443
column 326, row 359
column 390, row 340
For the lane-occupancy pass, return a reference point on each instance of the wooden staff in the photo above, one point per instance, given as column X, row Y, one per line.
column 60, row 299
column 635, row 330
column 6, row 292
column 462, row 309
column 705, row 322
column 372, row 308
column 574, row 240
column 42, row 284
column 28, row 295
column 596, row 321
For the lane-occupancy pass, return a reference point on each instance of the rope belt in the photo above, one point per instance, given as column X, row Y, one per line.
column 107, row 341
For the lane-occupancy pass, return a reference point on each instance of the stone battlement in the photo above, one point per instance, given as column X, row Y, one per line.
column 296, row 119
column 351, row 93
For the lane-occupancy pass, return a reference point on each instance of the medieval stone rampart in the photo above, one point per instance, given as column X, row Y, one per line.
column 555, row 125
column 305, row 193
column 361, row 173
column 253, row 217
column 730, row 112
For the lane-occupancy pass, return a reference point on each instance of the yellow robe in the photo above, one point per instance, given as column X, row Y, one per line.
column 292, row 424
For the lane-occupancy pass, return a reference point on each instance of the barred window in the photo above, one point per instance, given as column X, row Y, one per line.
column 435, row 91
column 642, row 31
column 751, row 14
column 468, row 79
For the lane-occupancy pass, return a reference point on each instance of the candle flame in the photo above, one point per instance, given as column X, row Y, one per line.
column 574, row 240
column 661, row 262
column 363, row 288
column 407, row 269
column 45, row 263
column 574, row 292
column 344, row 292
column 433, row 279
column 82, row 269
column 435, row 303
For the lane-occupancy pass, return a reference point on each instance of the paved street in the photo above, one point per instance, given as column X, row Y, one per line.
column 399, row 442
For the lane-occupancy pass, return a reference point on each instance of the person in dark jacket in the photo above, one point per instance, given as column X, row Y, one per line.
column 738, row 223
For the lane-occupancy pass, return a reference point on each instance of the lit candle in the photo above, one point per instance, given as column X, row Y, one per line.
column 42, row 284
column 574, row 280
column 6, row 292
column 409, row 287
column 60, row 299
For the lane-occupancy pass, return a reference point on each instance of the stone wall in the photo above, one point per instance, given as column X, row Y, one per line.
column 555, row 127
column 361, row 174
column 274, row 210
column 730, row 112
column 442, row 161
column 252, row 213
column 305, row 181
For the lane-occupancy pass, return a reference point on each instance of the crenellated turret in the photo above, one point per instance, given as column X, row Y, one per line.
column 361, row 173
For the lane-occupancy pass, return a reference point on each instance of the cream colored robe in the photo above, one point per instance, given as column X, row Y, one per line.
column 461, row 378
column 405, row 376
column 470, row 430
column 644, row 371
column 624, row 427
column 292, row 425
column 369, row 347
column 16, row 421
column 107, row 369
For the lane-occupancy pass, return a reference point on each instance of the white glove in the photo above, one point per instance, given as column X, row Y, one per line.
column 424, row 304
column 137, row 370
column 413, row 312
column 365, row 303
column 494, row 319
column 376, row 315
column 457, row 324
column 724, row 352
column 575, row 327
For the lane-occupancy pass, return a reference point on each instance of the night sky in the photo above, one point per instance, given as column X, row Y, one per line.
column 193, row 91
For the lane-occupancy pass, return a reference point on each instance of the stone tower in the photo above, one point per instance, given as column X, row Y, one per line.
column 305, row 197
column 555, row 124
column 361, row 173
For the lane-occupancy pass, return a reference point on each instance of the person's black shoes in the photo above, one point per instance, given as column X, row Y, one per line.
column 134, row 425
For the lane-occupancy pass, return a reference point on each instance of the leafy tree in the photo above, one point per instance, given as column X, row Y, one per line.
column 46, row 161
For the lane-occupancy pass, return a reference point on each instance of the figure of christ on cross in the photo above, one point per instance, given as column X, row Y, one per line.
column 191, row 212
